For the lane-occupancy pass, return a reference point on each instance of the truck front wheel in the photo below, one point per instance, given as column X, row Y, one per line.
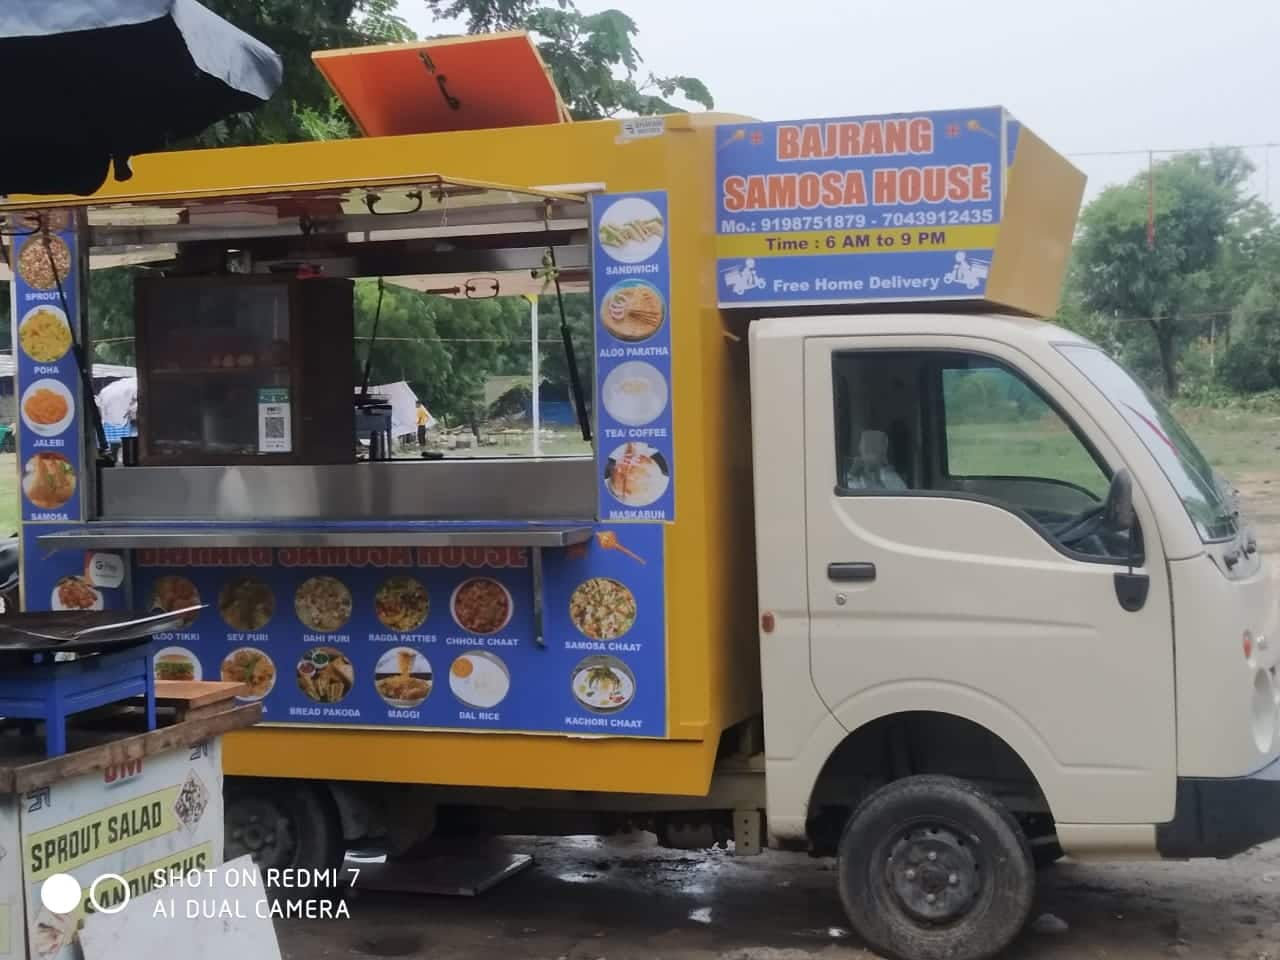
column 282, row 824
column 932, row 868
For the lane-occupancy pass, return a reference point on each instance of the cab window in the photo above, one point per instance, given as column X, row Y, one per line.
column 964, row 425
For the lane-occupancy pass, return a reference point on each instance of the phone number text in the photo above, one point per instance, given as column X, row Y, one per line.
column 854, row 221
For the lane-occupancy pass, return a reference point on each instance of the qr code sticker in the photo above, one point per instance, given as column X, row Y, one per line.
column 273, row 428
column 192, row 800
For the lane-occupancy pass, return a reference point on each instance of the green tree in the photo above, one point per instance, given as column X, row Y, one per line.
column 580, row 317
column 445, row 349
column 295, row 29
column 1202, row 215
column 592, row 56
column 110, row 303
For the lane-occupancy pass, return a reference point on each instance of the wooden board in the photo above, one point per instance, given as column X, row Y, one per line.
column 196, row 693
column 23, row 767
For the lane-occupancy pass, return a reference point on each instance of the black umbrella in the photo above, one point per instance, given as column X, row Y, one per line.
column 93, row 82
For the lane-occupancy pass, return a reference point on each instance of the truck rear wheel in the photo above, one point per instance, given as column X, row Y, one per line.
column 282, row 824
column 932, row 868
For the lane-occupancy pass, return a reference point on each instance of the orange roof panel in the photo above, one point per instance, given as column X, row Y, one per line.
column 457, row 83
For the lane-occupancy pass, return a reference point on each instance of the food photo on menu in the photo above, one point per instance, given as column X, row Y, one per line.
column 635, row 393
column 173, row 592
column 252, row 667
column 48, row 480
column 402, row 604
column 480, row 679
column 636, row 474
column 76, row 593
column 177, row 663
column 47, row 408
column 631, row 230
column 44, row 262
column 403, row 678
column 326, row 675
column 481, row 605
column 602, row 608
column 603, row 684
column 246, row 604
column 633, row 310
column 45, row 334
column 323, row 604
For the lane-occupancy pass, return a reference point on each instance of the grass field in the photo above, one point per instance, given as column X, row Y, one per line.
column 1040, row 449
column 8, row 494
column 1240, row 443
column 1237, row 442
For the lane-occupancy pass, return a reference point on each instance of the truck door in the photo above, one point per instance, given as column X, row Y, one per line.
column 948, row 572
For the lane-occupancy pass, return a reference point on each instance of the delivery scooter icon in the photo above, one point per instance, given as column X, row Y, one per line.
column 742, row 280
column 968, row 273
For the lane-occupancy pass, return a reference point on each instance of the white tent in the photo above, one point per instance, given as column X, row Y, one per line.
column 404, row 410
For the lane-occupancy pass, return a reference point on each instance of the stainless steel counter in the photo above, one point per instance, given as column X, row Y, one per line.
column 549, row 489
column 141, row 535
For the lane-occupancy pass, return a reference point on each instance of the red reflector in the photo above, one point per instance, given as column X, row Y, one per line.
column 1248, row 645
column 766, row 622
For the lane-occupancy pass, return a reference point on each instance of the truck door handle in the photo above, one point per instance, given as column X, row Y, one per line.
column 851, row 571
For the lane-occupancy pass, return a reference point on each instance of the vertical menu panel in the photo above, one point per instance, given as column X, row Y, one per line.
column 47, row 381
column 632, row 288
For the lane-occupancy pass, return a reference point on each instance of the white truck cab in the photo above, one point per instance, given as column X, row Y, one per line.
column 998, row 585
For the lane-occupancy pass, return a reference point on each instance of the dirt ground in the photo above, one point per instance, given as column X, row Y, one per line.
column 626, row 899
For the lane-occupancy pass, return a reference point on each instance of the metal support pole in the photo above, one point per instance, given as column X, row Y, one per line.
column 537, row 378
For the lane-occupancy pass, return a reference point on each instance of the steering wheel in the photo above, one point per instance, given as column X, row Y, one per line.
column 1082, row 526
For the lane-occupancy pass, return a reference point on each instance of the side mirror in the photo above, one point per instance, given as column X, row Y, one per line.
column 1119, row 505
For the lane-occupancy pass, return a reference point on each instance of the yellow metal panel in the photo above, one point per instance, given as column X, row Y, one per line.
column 713, row 658
column 473, row 759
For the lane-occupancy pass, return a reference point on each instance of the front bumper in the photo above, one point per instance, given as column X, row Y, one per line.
column 1222, row 817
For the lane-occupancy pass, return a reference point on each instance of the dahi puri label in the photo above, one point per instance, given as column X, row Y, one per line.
column 901, row 207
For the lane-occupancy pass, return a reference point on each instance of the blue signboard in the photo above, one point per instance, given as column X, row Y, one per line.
column 47, row 385
column 426, row 638
column 896, row 207
column 45, row 301
column 632, row 286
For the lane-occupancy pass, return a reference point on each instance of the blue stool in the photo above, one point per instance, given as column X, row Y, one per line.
column 48, row 690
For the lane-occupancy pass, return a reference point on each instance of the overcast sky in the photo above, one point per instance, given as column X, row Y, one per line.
column 1087, row 75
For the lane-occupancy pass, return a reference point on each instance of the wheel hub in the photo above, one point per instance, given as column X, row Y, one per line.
column 934, row 873
column 257, row 827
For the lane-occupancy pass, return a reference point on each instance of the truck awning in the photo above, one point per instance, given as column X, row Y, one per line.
column 471, row 232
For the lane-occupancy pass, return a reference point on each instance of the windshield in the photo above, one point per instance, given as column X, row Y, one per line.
column 1180, row 459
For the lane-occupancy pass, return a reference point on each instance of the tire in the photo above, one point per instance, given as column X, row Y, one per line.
column 283, row 824
column 1045, row 855
column 981, row 878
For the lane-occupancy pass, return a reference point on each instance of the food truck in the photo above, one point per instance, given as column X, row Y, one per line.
column 864, row 557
